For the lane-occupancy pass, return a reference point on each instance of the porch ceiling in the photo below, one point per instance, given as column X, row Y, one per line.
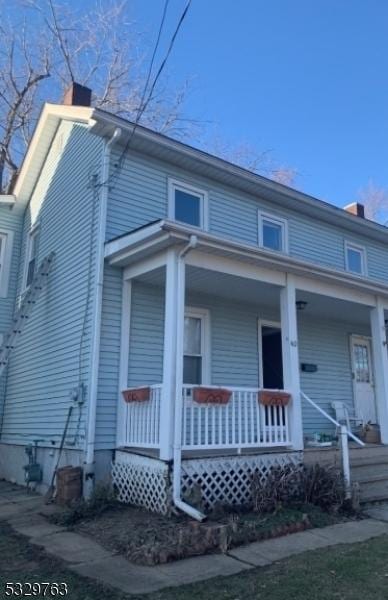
column 249, row 291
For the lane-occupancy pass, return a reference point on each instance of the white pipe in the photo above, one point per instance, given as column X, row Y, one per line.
column 96, row 318
column 177, row 465
column 345, row 461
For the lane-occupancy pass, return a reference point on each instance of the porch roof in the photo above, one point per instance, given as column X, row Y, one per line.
column 154, row 238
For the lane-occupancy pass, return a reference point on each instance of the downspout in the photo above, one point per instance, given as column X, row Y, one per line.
column 96, row 318
column 177, row 465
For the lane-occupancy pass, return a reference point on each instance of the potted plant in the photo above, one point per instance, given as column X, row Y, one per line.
column 140, row 394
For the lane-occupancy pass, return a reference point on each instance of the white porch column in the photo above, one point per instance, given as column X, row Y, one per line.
column 121, row 434
column 380, row 356
column 169, row 358
column 291, row 378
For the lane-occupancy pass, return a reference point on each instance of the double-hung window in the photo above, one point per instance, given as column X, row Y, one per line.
column 187, row 204
column 355, row 258
column 31, row 257
column 273, row 232
column 196, row 347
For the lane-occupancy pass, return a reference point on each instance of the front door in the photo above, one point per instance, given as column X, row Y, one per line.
column 362, row 368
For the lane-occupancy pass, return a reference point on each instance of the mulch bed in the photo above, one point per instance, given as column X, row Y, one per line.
column 149, row 539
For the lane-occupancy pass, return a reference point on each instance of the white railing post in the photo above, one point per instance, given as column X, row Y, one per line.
column 380, row 356
column 169, row 358
column 345, row 460
column 290, row 352
column 122, row 408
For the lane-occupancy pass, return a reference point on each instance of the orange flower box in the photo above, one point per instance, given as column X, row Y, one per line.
column 204, row 395
column 140, row 394
column 273, row 398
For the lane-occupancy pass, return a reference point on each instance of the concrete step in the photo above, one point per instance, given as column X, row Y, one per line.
column 373, row 489
column 363, row 471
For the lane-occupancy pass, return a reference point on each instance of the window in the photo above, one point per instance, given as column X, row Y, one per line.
column 355, row 259
column 187, row 204
column 272, row 233
column 196, row 347
column 31, row 257
column 6, row 240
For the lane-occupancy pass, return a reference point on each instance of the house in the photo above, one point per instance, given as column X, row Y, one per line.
column 192, row 285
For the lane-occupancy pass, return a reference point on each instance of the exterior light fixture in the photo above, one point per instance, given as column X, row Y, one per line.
column 301, row 304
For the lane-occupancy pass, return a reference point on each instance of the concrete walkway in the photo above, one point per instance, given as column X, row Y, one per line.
column 25, row 513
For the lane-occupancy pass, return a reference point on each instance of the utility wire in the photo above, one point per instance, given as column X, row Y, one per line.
column 146, row 100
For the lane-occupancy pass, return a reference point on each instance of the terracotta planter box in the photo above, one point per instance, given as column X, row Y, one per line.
column 141, row 394
column 204, row 395
column 273, row 398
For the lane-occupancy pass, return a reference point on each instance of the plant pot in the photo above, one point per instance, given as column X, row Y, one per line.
column 140, row 394
column 371, row 434
column 273, row 398
column 204, row 395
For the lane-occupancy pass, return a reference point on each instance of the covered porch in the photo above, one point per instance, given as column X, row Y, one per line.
column 200, row 312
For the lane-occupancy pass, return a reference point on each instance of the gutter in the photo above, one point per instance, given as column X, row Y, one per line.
column 96, row 319
column 177, row 465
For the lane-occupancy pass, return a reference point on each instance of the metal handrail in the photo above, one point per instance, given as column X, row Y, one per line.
column 345, row 433
column 336, row 423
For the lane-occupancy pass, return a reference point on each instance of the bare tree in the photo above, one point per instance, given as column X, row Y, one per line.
column 44, row 47
column 375, row 200
column 247, row 156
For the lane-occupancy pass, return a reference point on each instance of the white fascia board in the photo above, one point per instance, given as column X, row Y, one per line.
column 7, row 199
column 41, row 143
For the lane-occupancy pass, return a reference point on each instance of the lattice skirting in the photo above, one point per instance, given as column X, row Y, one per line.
column 227, row 480
column 146, row 482
column 142, row 481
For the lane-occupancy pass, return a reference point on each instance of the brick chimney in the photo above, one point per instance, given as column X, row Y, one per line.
column 77, row 95
column 355, row 208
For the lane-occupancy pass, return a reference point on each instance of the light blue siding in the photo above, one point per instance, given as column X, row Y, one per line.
column 50, row 358
column 234, row 353
column 139, row 196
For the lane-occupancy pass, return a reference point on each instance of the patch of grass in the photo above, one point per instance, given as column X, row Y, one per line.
column 353, row 572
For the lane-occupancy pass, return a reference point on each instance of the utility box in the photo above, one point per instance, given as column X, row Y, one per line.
column 69, row 484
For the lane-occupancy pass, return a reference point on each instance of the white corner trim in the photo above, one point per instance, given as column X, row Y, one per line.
column 263, row 215
column 6, row 259
column 349, row 245
column 175, row 184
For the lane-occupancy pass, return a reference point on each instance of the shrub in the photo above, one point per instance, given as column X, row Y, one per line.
column 298, row 485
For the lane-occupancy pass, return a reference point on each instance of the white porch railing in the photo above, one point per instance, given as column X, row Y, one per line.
column 241, row 423
column 143, row 421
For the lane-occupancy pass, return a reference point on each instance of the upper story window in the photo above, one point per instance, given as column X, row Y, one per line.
column 355, row 258
column 196, row 347
column 6, row 238
column 31, row 257
column 187, row 204
column 273, row 233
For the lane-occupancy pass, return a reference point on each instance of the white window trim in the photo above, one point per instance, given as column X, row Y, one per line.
column 174, row 184
column 362, row 250
column 261, row 216
column 32, row 232
column 204, row 315
column 6, row 262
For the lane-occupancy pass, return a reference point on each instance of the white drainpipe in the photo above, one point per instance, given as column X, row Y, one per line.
column 96, row 318
column 177, row 466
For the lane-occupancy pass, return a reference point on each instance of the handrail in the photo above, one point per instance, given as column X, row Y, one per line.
column 325, row 414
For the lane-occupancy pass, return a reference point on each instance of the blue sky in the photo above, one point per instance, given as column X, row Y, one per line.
column 305, row 79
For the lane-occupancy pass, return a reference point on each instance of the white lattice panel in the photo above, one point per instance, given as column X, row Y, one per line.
column 141, row 481
column 227, row 480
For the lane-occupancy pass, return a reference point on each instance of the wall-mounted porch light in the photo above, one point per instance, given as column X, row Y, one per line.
column 301, row 304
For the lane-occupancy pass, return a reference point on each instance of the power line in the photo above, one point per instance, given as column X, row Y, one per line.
column 144, row 103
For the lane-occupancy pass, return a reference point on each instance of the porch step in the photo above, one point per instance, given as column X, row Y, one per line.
column 373, row 488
